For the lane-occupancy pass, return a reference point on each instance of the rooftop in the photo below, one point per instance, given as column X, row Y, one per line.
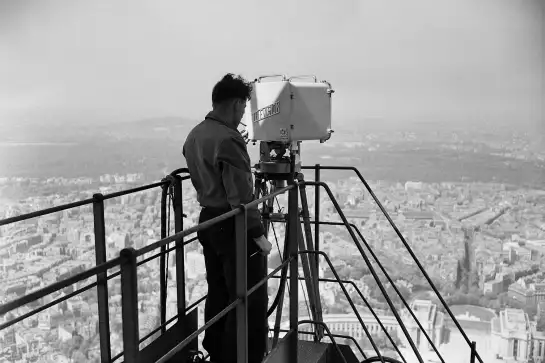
column 514, row 319
column 424, row 310
column 482, row 314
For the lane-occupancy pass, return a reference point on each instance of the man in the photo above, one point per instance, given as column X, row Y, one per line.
column 219, row 165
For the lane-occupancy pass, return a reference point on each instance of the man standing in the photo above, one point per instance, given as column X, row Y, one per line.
column 219, row 166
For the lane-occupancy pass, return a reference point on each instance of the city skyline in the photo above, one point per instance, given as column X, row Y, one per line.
column 439, row 105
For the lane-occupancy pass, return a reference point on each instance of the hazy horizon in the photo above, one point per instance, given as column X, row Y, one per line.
column 446, row 62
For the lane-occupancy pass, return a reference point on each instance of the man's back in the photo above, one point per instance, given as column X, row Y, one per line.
column 208, row 146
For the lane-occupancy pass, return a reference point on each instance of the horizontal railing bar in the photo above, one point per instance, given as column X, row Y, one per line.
column 200, row 300
column 209, row 223
column 47, row 306
column 156, row 330
column 165, row 324
column 177, row 236
column 400, row 235
column 353, row 284
column 146, row 260
column 119, row 355
column 256, row 286
column 81, row 203
column 190, row 240
column 231, row 306
column 116, row 274
column 180, row 171
column 345, row 292
column 43, row 212
column 59, row 285
column 113, row 275
column 196, row 333
column 353, row 226
column 135, row 190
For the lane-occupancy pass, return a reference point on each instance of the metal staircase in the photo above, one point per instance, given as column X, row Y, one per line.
column 175, row 343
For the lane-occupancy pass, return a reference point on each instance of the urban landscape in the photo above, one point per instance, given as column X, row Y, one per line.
column 483, row 245
column 424, row 120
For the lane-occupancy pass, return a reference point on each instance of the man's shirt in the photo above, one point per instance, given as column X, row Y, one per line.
column 220, row 170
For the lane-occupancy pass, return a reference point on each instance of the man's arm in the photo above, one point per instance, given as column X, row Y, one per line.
column 234, row 163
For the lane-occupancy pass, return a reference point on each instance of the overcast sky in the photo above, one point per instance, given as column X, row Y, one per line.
column 443, row 60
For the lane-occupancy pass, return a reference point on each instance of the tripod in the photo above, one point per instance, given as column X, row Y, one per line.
column 272, row 172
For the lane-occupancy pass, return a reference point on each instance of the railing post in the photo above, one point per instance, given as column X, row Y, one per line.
column 162, row 258
column 293, row 236
column 241, row 286
column 102, row 282
column 473, row 351
column 317, row 215
column 129, row 305
column 180, row 261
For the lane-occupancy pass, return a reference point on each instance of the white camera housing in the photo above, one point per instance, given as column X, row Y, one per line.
column 288, row 111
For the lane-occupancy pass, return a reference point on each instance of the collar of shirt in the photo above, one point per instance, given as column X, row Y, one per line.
column 213, row 116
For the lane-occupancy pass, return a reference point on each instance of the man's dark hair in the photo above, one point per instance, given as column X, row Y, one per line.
column 229, row 87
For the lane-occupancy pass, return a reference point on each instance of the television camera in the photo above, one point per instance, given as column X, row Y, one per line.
column 283, row 113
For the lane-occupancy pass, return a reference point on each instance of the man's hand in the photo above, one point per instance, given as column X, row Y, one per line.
column 264, row 245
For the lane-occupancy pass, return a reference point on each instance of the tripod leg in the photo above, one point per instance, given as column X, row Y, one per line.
column 309, row 280
column 261, row 191
column 281, row 290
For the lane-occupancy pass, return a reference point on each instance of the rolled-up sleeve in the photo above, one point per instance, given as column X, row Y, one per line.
column 234, row 163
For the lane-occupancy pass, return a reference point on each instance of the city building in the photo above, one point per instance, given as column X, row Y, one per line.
column 514, row 338
column 532, row 294
column 431, row 320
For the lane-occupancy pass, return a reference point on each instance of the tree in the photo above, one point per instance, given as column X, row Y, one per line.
column 459, row 272
column 541, row 324
column 531, row 310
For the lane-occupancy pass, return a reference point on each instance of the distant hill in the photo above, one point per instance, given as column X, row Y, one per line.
column 153, row 147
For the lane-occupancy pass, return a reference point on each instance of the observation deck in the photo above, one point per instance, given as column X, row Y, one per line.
column 407, row 327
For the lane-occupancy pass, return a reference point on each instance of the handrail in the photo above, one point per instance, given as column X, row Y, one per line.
column 332, row 268
column 87, row 201
column 17, row 303
column 97, row 202
column 231, row 306
column 389, row 280
column 370, row 267
column 47, row 306
column 353, row 284
column 222, row 313
column 209, row 223
column 426, row 276
column 59, row 285
column 44, row 212
column 156, row 330
column 103, row 267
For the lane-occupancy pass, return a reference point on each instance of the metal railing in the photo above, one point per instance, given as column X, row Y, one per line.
column 128, row 263
column 129, row 269
column 101, row 264
column 317, row 167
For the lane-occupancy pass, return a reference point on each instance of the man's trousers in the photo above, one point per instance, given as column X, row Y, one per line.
column 220, row 339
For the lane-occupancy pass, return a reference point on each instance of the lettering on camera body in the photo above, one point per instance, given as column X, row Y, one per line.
column 267, row 111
